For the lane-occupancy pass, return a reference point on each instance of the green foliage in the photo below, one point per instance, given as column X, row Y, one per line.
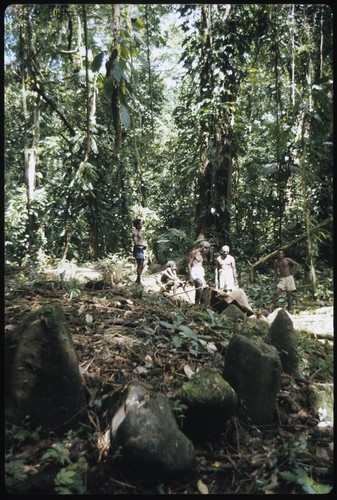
column 217, row 140
column 70, row 479
column 14, row 473
column 16, row 238
column 183, row 336
column 179, row 410
column 59, row 452
column 21, row 434
column 283, row 479
column 73, row 288
column 172, row 244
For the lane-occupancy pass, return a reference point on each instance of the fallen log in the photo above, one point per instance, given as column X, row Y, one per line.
column 266, row 258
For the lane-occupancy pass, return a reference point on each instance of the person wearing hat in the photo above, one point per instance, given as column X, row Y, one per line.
column 225, row 271
column 196, row 271
column 169, row 277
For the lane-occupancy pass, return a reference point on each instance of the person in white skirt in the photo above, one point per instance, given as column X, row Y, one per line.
column 196, row 271
column 225, row 271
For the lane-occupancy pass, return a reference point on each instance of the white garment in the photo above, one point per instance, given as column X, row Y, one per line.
column 226, row 273
column 198, row 273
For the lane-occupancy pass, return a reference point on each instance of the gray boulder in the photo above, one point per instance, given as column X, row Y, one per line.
column 146, row 431
column 254, row 370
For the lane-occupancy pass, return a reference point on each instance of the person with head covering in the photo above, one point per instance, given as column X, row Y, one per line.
column 196, row 271
column 138, row 247
column 225, row 271
column 169, row 278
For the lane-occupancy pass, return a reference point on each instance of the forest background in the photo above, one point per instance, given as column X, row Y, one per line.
column 207, row 121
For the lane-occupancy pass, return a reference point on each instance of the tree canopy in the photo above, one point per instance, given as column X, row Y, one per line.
column 206, row 120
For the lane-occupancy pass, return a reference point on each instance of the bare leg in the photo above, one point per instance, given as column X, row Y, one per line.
column 275, row 296
column 290, row 301
column 198, row 291
column 140, row 267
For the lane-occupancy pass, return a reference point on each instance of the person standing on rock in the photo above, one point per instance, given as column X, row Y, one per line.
column 196, row 271
column 284, row 269
column 138, row 247
column 225, row 271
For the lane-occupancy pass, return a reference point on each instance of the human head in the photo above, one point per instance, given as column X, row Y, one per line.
column 204, row 245
column 225, row 249
column 137, row 223
column 171, row 263
column 280, row 250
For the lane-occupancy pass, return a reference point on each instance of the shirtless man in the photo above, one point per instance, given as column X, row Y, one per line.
column 225, row 271
column 196, row 271
column 138, row 247
column 284, row 269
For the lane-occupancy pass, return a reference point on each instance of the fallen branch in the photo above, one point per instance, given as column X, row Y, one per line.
column 266, row 258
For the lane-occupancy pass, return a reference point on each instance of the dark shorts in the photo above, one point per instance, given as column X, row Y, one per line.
column 138, row 252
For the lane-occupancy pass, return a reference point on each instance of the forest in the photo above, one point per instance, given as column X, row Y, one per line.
column 208, row 122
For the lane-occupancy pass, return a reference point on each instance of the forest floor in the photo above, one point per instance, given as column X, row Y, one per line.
column 121, row 333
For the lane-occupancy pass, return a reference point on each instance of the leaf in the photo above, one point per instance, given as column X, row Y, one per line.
column 108, row 88
column 88, row 318
column 177, row 341
column 97, row 62
column 65, row 476
column 137, row 23
column 188, row 332
column 125, row 116
column 94, row 146
column 211, row 347
column 202, row 487
column 117, row 71
column 167, row 325
column 188, row 371
column 321, row 488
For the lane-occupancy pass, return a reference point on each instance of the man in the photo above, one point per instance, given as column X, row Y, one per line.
column 284, row 269
column 138, row 247
column 225, row 271
column 196, row 271
column 169, row 278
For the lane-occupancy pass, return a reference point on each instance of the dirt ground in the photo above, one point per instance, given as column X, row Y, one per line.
column 119, row 336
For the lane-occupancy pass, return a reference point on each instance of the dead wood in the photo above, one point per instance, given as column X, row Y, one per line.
column 286, row 246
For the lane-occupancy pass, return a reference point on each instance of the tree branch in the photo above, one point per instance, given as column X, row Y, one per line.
column 266, row 258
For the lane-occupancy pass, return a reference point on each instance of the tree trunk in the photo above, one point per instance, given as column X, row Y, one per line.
column 28, row 176
column 215, row 175
column 90, row 116
column 149, row 66
column 309, row 259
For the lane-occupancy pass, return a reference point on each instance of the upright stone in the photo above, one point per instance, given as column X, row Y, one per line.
column 254, row 370
column 146, row 431
column 42, row 373
column 282, row 336
column 208, row 401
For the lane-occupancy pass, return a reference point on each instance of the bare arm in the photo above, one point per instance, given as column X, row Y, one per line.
column 189, row 265
column 276, row 270
column 234, row 273
column 295, row 266
column 216, row 274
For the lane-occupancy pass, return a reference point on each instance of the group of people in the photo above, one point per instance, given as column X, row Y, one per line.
column 225, row 269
